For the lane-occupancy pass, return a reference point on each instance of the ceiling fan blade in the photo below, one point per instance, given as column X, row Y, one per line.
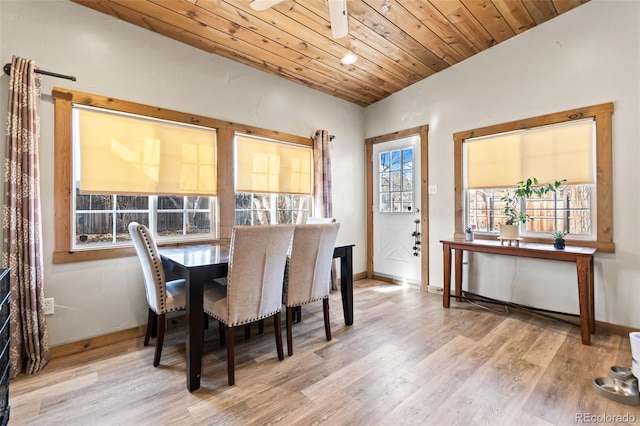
column 339, row 18
column 261, row 5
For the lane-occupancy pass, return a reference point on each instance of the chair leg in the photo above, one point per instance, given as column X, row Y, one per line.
column 152, row 320
column 247, row 331
column 327, row 322
column 289, row 321
column 260, row 326
column 276, row 327
column 221, row 331
column 298, row 314
column 231, row 362
column 162, row 323
column 154, row 326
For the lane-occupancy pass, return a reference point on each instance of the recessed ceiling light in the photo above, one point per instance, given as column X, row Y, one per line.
column 349, row 58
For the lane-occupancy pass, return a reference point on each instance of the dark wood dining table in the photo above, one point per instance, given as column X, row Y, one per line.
column 202, row 263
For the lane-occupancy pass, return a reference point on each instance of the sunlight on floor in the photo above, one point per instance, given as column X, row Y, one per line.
column 400, row 286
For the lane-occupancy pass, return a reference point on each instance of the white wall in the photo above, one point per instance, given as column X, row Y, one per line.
column 587, row 56
column 113, row 58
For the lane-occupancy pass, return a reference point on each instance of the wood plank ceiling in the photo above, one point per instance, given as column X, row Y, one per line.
column 411, row 41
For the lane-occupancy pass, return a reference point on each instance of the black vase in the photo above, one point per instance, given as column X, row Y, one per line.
column 559, row 243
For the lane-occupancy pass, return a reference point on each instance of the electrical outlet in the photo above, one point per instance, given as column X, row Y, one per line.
column 433, row 189
column 48, row 306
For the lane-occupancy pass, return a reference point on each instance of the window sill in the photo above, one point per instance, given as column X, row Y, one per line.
column 61, row 257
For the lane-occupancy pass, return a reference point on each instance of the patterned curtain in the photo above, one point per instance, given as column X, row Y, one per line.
column 322, row 183
column 22, row 229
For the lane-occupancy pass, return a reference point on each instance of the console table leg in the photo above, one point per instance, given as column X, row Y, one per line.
column 458, row 259
column 446, row 288
column 592, row 308
column 584, row 298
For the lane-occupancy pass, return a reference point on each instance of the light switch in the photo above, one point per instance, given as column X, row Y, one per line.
column 433, row 189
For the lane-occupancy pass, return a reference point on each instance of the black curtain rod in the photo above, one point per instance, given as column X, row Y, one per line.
column 7, row 71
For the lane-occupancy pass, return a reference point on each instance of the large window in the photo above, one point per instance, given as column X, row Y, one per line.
column 170, row 168
column 573, row 145
column 118, row 162
column 565, row 151
column 273, row 182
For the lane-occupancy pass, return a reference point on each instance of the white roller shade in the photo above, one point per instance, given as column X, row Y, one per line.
column 272, row 167
column 127, row 154
column 564, row 151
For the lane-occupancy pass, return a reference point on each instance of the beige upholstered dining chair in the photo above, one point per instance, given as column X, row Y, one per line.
column 308, row 272
column 162, row 296
column 257, row 259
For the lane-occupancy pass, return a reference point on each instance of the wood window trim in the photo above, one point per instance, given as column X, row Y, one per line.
column 63, row 103
column 602, row 114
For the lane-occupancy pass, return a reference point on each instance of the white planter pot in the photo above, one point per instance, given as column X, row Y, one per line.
column 509, row 232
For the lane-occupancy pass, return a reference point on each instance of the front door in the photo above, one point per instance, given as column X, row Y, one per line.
column 397, row 244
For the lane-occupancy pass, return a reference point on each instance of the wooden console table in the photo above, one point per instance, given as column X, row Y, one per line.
column 581, row 256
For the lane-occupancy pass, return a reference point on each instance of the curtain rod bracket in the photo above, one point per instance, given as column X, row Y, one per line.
column 7, row 71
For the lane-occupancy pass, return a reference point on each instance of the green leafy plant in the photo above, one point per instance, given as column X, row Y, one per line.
column 525, row 189
column 558, row 235
column 468, row 230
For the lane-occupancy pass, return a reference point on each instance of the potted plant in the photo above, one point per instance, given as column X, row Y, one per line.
column 558, row 239
column 468, row 233
column 510, row 230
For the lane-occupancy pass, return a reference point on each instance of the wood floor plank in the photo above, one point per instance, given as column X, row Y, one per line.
column 405, row 361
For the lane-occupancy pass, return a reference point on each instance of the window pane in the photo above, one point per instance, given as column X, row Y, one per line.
column 94, row 228
column 243, row 218
column 261, row 218
column 385, row 162
column 407, row 159
column 243, row 200
column 122, row 225
column 284, row 216
column 385, row 203
column 301, row 202
column 385, row 183
column 198, row 222
column 170, row 202
column 395, row 160
column 407, row 180
column 261, row 202
column 396, row 202
column 170, row 223
column 284, row 202
column 198, row 203
column 93, row 202
column 132, row 202
column 407, row 201
column 580, row 222
column 396, row 181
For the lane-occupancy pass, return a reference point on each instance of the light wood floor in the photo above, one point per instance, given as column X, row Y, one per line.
column 406, row 360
